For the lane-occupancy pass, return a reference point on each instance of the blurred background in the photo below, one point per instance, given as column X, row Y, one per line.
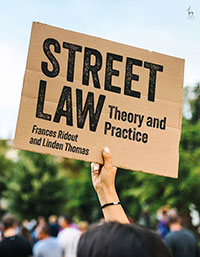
column 33, row 185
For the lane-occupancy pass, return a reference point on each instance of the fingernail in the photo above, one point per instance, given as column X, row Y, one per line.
column 106, row 150
column 96, row 167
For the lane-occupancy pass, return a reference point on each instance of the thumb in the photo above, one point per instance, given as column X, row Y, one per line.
column 107, row 158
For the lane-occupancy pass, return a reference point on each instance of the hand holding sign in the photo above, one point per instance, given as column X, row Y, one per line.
column 103, row 178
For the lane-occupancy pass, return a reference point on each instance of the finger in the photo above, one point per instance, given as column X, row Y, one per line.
column 107, row 158
column 95, row 168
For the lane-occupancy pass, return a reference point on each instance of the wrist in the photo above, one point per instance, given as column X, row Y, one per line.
column 107, row 195
column 110, row 204
column 106, row 190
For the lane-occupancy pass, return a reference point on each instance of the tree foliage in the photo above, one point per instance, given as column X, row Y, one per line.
column 82, row 201
column 6, row 169
column 36, row 187
column 195, row 104
column 152, row 192
column 42, row 184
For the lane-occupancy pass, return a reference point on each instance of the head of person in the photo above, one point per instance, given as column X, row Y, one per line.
column 52, row 219
column 41, row 220
column 9, row 222
column 83, row 225
column 162, row 212
column 43, row 232
column 173, row 217
column 116, row 240
column 65, row 221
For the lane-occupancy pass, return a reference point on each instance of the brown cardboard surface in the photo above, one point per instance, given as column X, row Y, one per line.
column 157, row 154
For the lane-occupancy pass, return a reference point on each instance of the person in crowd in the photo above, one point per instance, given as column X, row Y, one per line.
column 53, row 226
column 163, row 226
column 41, row 222
column 83, row 225
column 180, row 240
column 116, row 237
column 13, row 245
column 24, row 232
column 70, row 221
column 47, row 246
column 68, row 237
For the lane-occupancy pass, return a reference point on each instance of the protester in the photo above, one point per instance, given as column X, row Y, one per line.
column 69, row 221
column 180, row 240
column 39, row 225
column 47, row 246
column 68, row 237
column 113, row 239
column 53, row 226
column 24, row 232
column 13, row 245
column 163, row 227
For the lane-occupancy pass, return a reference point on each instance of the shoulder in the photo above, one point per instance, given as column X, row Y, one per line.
column 38, row 246
column 2, row 242
column 183, row 234
column 68, row 234
column 45, row 242
column 17, row 239
column 69, row 231
column 189, row 234
column 23, row 241
column 187, row 231
column 19, row 242
column 52, row 241
column 171, row 237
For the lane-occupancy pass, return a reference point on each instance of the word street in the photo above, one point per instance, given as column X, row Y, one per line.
column 89, row 69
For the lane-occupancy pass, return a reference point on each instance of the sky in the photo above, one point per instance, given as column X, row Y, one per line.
column 161, row 26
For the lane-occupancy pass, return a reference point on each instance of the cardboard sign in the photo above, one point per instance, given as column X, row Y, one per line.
column 82, row 93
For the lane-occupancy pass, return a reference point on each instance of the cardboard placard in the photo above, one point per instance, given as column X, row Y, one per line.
column 82, row 93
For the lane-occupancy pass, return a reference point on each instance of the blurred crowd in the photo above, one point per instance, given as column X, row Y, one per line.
column 56, row 237
column 59, row 236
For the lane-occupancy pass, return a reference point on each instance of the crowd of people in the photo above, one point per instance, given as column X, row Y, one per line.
column 55, row 238
column 113, row 237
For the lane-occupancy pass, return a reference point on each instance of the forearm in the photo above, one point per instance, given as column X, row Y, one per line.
column 112, row 212
column 103, row 179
